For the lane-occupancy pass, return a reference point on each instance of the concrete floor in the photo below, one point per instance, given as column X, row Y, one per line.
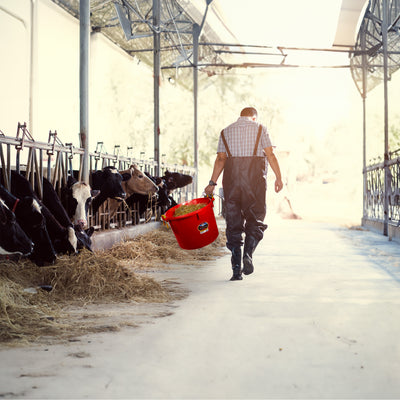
column 318, row 319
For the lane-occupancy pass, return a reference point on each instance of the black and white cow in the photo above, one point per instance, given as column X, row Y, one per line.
column 77, row 198
column 62, row 237
column 108, row 181
column 30, row 218
column 78, row 238
column 13, row 240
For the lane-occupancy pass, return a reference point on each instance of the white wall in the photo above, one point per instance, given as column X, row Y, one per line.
column 121, row 88
column 15, row 64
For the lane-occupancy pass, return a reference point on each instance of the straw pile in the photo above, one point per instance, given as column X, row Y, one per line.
column 22, row 313
column 160, row 247
column 28, row 311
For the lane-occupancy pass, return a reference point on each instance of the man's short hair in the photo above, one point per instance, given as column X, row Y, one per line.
column 249, row 112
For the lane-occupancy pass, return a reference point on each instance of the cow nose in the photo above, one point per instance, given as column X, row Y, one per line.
column 82, row 223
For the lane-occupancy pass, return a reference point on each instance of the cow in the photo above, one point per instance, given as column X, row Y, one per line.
column 164, row 200
column 77, row 198
column 78, row 238
column 13, row 240
column 143, row 202
column 166, row 184
column 175, row 180
column 84, row 237
column 109, row 182
column 62, row 237
column 30, row 218
column 134, row 181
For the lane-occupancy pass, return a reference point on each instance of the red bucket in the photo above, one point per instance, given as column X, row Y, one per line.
column 196, row 229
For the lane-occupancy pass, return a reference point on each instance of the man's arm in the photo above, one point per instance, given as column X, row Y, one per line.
column 273, row 162
column 218, row 168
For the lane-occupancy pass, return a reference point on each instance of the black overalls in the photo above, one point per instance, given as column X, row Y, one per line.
column 244, row 183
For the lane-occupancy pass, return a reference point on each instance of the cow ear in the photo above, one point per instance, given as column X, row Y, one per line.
column 126, row 176
column 94, row 193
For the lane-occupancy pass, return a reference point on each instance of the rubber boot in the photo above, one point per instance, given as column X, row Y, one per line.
column 236, row 260
column 250, row 245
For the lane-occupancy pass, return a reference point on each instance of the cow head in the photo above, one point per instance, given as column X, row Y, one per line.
column 135, row 181
column 81, row 197
column 77, row 197
column 108, row 181
column 13, row 240
column 66, row 242
column 84, row 237
column 31, row 219
column 175, row 180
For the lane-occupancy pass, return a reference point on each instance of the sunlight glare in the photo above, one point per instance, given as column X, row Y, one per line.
column 306, row 23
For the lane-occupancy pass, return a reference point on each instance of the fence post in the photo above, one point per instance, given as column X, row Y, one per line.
column 84, row 37
column 386, row 124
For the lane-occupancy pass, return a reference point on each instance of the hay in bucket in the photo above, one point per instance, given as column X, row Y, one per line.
column 185, row 209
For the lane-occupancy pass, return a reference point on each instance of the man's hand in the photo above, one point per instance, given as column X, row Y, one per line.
column 209, row 190
column 278, row 185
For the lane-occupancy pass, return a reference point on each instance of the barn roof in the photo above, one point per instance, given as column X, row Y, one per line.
column 128, row 23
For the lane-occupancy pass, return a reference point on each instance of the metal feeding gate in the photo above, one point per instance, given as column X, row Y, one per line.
column 375, row 59
column 374, row 199
column 56, row 161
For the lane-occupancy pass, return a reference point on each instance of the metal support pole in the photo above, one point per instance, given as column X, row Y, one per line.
column 33, row 66
column 386, row 121
column 84, row 40
column 364, row 98
column 196, row 34
column 156, row 69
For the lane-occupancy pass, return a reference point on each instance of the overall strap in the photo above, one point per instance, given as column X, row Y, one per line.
column 257, row 140
column 225, row 144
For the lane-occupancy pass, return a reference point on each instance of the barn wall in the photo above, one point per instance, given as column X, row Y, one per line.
column 15, row 63
column 121, row 88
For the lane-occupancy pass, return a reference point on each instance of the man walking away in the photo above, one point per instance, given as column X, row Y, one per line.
column 243, row 148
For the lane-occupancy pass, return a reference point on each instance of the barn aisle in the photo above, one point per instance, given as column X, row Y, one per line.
column 319, row 318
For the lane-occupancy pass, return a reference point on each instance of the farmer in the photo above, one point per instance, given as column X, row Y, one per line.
column 241, row 152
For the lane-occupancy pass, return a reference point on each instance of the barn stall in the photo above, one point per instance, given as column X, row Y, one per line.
column 34, row 299
column 99, row 26
column 56, row 161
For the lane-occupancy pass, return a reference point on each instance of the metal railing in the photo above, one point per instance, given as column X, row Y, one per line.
column 56, row 161
column 374, row 195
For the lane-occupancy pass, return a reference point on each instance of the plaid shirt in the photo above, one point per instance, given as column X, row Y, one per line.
column 241, row 138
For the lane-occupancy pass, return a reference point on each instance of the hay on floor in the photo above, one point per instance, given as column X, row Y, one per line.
column 161, row 247
column 99, row 276
column 28, row 311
